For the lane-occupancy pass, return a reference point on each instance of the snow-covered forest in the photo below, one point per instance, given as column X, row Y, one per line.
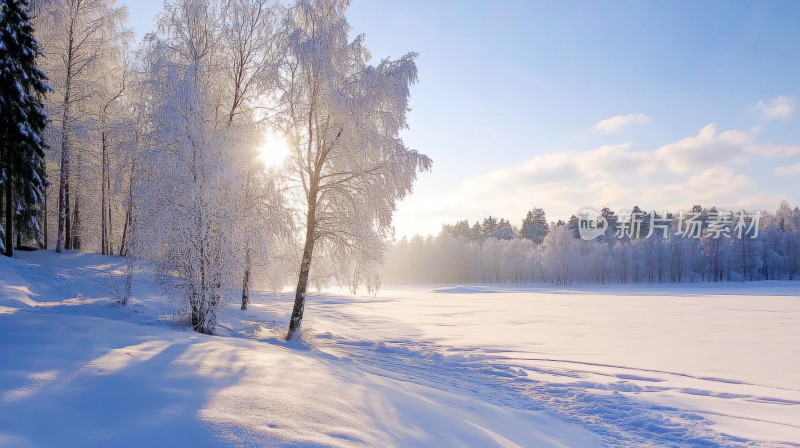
column 661, row 248
column 157, row 152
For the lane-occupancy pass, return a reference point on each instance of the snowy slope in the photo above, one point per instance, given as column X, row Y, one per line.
column 694, row 365
column 78, row 370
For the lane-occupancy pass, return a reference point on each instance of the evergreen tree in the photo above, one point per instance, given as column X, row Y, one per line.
column 461, row 229
column 609, row 236
column 534, row 226
column 22, row 117
column 573, row 224
column 488, row 228
column 476, row 233
column 504, row 231
column 640, row 221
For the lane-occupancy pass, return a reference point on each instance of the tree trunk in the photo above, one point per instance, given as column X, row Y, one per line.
column 63, row 188
column 103, row 228
column 305, row 268
column 76, row 225
column 68, row 218
column 3, row 213
column 123, row 249
column 9, row 207
column 201, row 302
column 246, row 280
column 128, row 281
column 64, row 228
column 109, row 222
column 63, row 193
column 46, row 193
column 123, row 245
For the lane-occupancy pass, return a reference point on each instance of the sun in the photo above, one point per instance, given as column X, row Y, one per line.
column 273, row 151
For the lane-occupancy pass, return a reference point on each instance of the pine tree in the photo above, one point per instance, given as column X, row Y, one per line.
column 476, row 233
column 504, row 230
column 488, row 228
column 22, row 117
column 534, row 226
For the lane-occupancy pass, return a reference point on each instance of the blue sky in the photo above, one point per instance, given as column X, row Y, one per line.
column 513, row 96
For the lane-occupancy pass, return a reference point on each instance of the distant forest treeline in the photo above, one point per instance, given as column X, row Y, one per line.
column 538, row 252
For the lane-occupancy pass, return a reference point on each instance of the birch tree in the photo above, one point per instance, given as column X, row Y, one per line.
column 113, row 129
column 80, row 33
column 251, row 46
column 180, row 218
column 348, row 164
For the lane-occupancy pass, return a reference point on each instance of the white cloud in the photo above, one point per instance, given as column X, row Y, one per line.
column 711, row 186
column 707, row 148
column 715, row 181
column 614, row 124
column 788, row 170
column 771, row 150
column 778, row 108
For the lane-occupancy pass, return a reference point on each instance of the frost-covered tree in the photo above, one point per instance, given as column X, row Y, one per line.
column 22, row 119
column 348, row 163
column 534, row 226
column 488, row 228
column 186, row 189
column 504, row 231
column 559, row 254
column 460, row 229
column 78, row 37
column 113, row 130
column 250, row 46
column 202, row 210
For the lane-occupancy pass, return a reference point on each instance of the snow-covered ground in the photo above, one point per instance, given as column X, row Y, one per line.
column 676, row 365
